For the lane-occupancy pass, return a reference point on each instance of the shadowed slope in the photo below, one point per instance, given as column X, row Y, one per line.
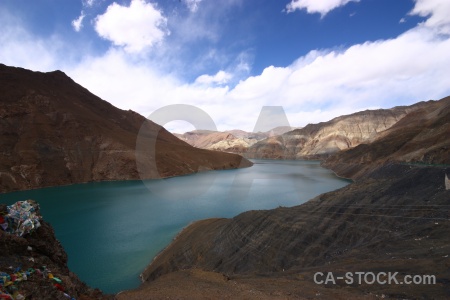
column 56, row 132
column 394, row 218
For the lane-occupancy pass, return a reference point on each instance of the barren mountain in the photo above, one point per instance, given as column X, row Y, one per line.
column 235, row 141
column 56, row 132
column 422, row 136
column 394, row 218
column 315, row 140
column 214, row 140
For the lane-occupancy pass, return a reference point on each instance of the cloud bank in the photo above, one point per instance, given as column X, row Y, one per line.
column 316, row 87
column 437, row 11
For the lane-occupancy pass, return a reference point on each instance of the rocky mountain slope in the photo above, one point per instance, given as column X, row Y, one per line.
column 220, row 141
column 235, row 141
column 36, row 255
column 318, row 140
column 394, row 218
column 312, row 141
column 56, row 132
column 422, row 136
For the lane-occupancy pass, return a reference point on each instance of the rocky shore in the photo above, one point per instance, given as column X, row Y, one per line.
column 34, row 265
column 395, row 219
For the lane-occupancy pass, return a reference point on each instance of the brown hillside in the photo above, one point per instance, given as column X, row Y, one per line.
column 393, row 220
column 422, row 136
column 56, row 132
column 325, row 138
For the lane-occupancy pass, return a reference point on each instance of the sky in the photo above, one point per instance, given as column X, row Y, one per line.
column 318, row 59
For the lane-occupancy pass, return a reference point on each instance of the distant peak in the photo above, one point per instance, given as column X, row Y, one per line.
column 58, row 73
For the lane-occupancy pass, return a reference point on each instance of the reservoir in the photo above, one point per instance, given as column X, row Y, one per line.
column 112, row 230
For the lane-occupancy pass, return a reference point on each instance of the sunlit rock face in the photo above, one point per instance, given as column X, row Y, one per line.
column 322, row 139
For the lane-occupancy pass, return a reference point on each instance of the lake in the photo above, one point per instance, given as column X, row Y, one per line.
column 112, row 230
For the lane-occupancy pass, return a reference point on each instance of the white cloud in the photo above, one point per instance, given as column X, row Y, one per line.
column 402, row 20
column 316, row 6
column 193, row 4
column 136, row 28
column 77, row 24
column 316, row 87
column 437, row 11
column 220, row 77
column 376, row 72
column 128, row 84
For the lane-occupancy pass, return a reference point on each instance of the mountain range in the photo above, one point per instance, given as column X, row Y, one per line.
column 56, row 132
column 421, row 136
column 392, row 218
column 312, row 141
column 325, row 138
column 234, row 141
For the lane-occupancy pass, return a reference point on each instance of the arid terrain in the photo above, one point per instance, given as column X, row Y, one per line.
column 234, row 141
column 421, row 137
column 325, row 138
column 314, row 141
column 393, row 218
column 55, row 132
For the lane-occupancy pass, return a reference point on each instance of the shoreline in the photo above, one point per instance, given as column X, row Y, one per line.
column 177, row 260
column 192, row 225
column 180, row 175
column 116, row 180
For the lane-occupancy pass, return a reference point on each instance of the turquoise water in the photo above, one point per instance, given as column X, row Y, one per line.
column 112, row 230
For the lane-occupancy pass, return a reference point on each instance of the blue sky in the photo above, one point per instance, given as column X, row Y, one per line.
column 316, row 58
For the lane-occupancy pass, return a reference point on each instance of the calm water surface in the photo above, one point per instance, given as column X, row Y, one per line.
column 112, row 230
